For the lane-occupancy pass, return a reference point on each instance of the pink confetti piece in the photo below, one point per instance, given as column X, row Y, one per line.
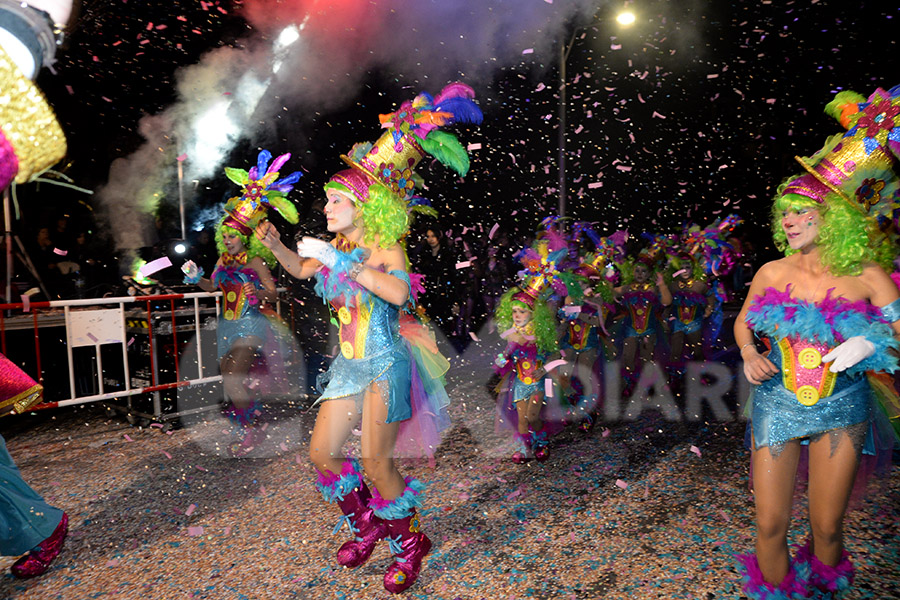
column 112, row 563
column 528, row 51
column 155, row 265
column 712, row 76
column 190, row 510
column 548, row 387
column 283, row 447
column 94, row 339
column 553, row 364
column 615, row 46
column 724, row 515
column 474, row 337
column 130, row 341
column 579, row 129
column 181, row 157
column 625, row 168
column 199, row 468
column 595, row 185
column 540, row 87
column 475, row 146
column 127, row 438
column 493, row 230
column 657, row 115
column 679, row 272
column 515, row 494
column 70, row 90
column 26, row 303
column 605, row 433
column 107, row 99
column 169, row 456
column 696, row 450
column 227, row 530
column 195, row 531
column 464, row 264
column 149, row 27
column 621, row 484
column 262, row 490
column 161, row 27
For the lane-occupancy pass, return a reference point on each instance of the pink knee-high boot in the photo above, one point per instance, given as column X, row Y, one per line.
column 408, row 544
column 352, row 495
column 827, row 583
column 794, row 586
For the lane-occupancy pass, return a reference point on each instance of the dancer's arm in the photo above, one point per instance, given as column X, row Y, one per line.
column 757, row 368
column 387, row 287
column 301, row 268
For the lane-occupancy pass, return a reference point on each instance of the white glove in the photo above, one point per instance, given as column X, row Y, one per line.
column 849, row 353
column 321, row 251
column 190, row 269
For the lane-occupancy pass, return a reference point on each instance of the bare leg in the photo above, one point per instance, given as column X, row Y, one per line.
column 629, row 351
column 532, row 410
column 235, row 366
column 773, row 491
column 378, row 441
column 648, row 342
column 833, row 460
column 694, row 344
column 677, row 349
column 584, row 364
column 334, row 424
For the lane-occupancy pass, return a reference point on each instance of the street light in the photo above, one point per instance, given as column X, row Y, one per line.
column 625, row 18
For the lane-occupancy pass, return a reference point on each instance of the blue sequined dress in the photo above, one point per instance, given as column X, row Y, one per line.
column 804, row 398
column 383, row 344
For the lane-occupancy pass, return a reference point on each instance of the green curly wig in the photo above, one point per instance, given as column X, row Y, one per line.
column 544, row 323
column 384, row 216
column 846, row 239
column 254, row 246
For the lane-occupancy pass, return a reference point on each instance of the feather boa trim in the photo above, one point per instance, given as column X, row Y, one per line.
column 400, row 507
column 335, row 487
column 688, row 299
column 832, row 321
column 334, row 283
column 235, row 274
column 793, row 587
column 836, row 579
column 633, row 298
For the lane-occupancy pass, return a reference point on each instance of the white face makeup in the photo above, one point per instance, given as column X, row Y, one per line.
column 340, row 212
column 520, row 316
column 801, row 227
column 641, row 273
column 233, row 243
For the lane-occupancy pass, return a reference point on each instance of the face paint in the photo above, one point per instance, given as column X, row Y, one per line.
column 340, row 212
column 797, row 235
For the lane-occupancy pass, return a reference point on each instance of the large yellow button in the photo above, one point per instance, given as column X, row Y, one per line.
column 807, row 395
column 527, row 380
column 344, row 315
column 347, row 349
column 231, row 296
column 809, row 358
column 526, row 365
column 577, row 328
column 229, row 315
column 639, row 311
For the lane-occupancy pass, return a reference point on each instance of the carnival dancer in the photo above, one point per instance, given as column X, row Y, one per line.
column 831, row 313
column 528, row 324
column 31, row 141
column 242, row 273
column 27, row 522
column 642, row 300
column 690, row 306
column 584, row 317
column 389, row 372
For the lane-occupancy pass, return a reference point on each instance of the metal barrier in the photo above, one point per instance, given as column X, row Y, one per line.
column 87, row 324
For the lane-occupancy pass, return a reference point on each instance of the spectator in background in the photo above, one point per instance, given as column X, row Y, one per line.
column 436, row 262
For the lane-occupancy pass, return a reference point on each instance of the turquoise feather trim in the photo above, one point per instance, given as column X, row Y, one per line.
column 831, row 322
column 333, row 283
column 343, row 485
column 402, row 506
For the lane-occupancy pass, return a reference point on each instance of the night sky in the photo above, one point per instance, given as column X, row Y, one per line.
column 694, row 112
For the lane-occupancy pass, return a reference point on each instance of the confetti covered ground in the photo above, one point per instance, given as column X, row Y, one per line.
column 645, row 509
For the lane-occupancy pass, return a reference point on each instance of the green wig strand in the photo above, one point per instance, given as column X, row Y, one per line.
column 846, row 237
